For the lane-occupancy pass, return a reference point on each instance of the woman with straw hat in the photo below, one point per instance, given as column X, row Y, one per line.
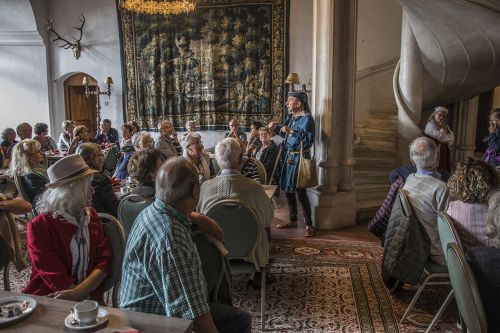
column 69, row 251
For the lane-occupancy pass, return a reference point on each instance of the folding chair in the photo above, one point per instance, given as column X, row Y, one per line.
column 129, row 208
column 240, row 228
column 466, row 291
column 116, row 235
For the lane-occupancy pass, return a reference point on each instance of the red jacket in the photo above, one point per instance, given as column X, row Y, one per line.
column 48, row 244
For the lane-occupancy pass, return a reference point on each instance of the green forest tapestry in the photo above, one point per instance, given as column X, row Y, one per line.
column 226, row 59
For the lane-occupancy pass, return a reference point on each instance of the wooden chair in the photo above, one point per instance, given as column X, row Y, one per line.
column 116, row 235
column 240, row 228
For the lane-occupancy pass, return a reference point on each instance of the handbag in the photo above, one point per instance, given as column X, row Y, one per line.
column 307, row 176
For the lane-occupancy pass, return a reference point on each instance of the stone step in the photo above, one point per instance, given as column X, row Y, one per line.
column 365, row 215
column 371, row 173
column 379, row 131
column 389, row 137
column 369, row 204
column 381, row 124
column 377, row 142
column 371, row 151
column 371, row 180
column 378, row 195
column 374, row 187
column 363, row 163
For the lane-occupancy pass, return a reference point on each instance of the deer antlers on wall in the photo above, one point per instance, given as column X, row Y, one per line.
column 75, row 45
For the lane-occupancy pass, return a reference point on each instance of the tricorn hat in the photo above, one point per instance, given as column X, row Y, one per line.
column 68, row 169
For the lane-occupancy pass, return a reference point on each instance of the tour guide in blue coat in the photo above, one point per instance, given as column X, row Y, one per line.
column 298, row 128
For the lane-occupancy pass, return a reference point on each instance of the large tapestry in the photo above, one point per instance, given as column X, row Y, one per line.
column 226, row 59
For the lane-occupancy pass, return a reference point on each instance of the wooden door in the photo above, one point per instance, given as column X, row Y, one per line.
column 78, row 107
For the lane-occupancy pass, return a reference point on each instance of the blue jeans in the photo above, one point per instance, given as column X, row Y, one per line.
column 229, row 319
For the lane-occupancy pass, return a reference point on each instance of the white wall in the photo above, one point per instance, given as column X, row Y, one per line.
column 23, row 72
column 301, row 39
column 377, row 50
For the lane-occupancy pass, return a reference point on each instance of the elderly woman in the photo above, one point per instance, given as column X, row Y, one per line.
column 492, row 154
column 192, row 147
column 136, row 132
column 66, row 136
column 268, row 151
column 142, row 167
column 437, row 129
column 190, row 127
column 254, row 141
column 69, row 251
column 8, row 138
column 104, row 199
column 144, row 141
column 80, row 135
column 41, row 135
column 28, row 164
column 470, row 186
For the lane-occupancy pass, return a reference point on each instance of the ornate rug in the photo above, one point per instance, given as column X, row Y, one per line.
column 334, row 286
column 225, row 59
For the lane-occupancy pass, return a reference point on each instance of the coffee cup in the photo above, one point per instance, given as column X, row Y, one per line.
column 86, row 312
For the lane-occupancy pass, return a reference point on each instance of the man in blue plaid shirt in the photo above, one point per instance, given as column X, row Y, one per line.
column 162, row 272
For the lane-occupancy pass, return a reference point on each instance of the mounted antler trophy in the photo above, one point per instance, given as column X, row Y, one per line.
column 75, row 45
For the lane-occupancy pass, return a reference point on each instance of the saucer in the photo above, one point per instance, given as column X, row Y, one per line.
column 102, row 317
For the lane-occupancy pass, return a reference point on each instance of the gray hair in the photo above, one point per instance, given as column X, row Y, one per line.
column 423, row 152
column 88, row 151
column 188, row 140
column 142, row 139
column 493, row 219
column 6, row 132
column 190, row 123
column 69, row 198
column 175, row 180
column 160, row 124
column 228, row 153
column 67, row 123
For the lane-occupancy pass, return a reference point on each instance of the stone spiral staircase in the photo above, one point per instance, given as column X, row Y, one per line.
column 376, row 156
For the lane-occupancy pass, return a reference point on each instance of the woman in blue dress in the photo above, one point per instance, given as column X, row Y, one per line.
column 298, row 129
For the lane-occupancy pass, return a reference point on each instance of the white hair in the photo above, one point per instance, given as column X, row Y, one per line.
column 69, row 198
column 423, row 152
column 493, row 219
column 228, row 153
column 188, row 140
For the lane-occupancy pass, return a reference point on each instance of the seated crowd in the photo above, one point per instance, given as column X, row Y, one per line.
column 161, row 272
column 70, row 253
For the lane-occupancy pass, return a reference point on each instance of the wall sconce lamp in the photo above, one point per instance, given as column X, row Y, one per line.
column 292, row 78
column 97, row 92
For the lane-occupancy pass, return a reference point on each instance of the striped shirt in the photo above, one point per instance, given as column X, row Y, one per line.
column 429, row 196
column 470, row 221
column 161, row 271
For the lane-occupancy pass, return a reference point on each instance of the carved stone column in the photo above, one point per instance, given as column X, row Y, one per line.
column 464, row 128
column 334, row 57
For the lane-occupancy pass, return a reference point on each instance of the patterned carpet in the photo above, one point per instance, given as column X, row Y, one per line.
column 327, row 286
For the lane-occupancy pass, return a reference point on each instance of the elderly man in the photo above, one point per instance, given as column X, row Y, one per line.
column 298, row 131
column 107, row 134
column 167, row 142
column 235, row 131
column 231, row 184
column 162, row 272
column 427, row 193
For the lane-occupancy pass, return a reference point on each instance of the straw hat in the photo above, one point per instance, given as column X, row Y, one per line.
column 68, row 169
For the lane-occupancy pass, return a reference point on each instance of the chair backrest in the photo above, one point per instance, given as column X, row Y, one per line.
column 111, row 159
column 465, row 290
column 212, row 263
column 276, row 163
column 240, row 227
column 116, row 236
column 215, row 165
column 129, row 209
column 20, row 188
column 447, row 232
column 261, row 170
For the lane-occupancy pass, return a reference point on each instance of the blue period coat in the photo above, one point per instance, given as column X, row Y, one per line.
column 303, row 131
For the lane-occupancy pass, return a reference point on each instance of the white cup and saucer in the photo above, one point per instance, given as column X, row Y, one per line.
column 86, row 314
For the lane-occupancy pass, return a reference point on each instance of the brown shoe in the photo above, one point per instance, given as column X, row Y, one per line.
column 309, row 231
column 287, row 224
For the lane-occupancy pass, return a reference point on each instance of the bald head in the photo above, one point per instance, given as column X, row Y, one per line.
column 423, row 152
column 176, row 180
